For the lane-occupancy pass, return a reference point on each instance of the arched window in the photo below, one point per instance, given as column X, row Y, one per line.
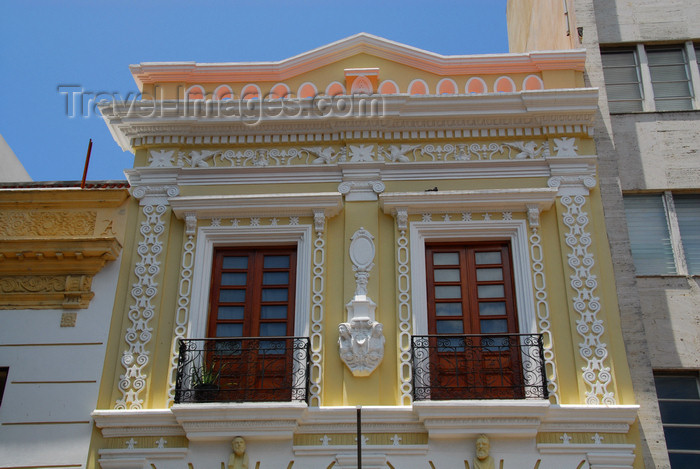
column 279, row 91
column 250, row 92
column 194, row 93
column 335, row 89
column 223, row 92
column 417, row 86
column 504, row 85
column 307, row 90
column 532, row 82
column 388, row 87
column 446, row 86
column 476, row 85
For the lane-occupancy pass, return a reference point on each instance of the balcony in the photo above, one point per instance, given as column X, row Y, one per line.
column 490, row 366
column 243, row 369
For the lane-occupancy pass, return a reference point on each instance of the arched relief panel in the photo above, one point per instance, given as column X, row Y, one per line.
column 533, row 83
column 446, row 86
column 194, row 92
column 250, row 91
column 361, row 85
column 307, row 90
column 223, row 93
column 389, row 87
column 279, row 91
column 476, row 85
column 417, row 87
column 335, row 89
column 504, row 85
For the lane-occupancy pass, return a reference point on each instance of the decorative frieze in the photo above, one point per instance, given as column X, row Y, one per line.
column 45, row 291
column 46, row 223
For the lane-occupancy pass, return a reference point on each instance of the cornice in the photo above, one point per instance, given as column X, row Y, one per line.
column 55, row 198
column 546, row 112
column 193, row 72
column 130, row 423
column 458, row 201
column 80, row 255
column 233, row 206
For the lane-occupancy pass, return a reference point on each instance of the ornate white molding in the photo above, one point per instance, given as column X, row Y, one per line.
column 241, row 206
column 403, row 286
column 596, row 373
column 182, row 315
column 512, row 200
column 317, row 299
column 147, row 270
column 361, row 340
column 541, row 303
column 361, row 190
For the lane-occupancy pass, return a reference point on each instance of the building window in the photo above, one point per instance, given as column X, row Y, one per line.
column 622, row 80
column 3, row 381
column 650, row 78
column 654, row 222
column 679, row 403
column 252, row 292
column 668, row 67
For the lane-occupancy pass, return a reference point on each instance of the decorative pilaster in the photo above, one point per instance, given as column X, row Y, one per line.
column 596, row 373
column 182, row 316
column 317, row 291
column 135, row 358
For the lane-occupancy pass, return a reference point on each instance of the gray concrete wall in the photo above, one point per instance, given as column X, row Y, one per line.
column 670, row 306
column 647, row 20
column 658, row 151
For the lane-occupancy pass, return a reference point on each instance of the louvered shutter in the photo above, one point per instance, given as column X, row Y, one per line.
column 649, row 236
column 688, row 211
column 670, row 80
column 622, row 83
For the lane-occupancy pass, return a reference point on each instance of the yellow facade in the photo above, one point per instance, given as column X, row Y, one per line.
column 359, row 196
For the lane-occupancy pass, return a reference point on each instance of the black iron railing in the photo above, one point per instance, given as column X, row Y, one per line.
column 490, row 366
column 244, row 369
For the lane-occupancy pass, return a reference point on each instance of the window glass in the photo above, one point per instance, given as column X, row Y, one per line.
column 622, row 81
column 3, row 380
column 649, row 235
column 688, row 211
column 669, row 77
column 679, row 403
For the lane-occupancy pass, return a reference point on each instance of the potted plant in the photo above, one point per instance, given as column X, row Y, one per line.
column 205, row 381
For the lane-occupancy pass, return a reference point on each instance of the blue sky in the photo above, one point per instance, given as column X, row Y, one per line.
column 46, row 44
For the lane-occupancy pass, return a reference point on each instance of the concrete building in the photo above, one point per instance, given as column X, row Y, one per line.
column 365, row 224
column 643, row 57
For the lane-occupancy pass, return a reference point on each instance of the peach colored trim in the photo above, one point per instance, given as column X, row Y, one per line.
column 389, row 87
column 418, row 86
column 532, row 83
column 476, row 85
column 307, row 90
column 250, row 91
column 334, row 89
column 504, row 85
column 532, row 62
column 279, row 91
column 195, row 92
column 223, row 92
column 446, row 86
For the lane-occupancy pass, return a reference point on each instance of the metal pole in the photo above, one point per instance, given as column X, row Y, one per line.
column 359, row 437
column 87, row 162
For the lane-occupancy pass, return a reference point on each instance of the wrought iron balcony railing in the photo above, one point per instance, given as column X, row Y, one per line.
column 490, row 366
column 243, row 369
